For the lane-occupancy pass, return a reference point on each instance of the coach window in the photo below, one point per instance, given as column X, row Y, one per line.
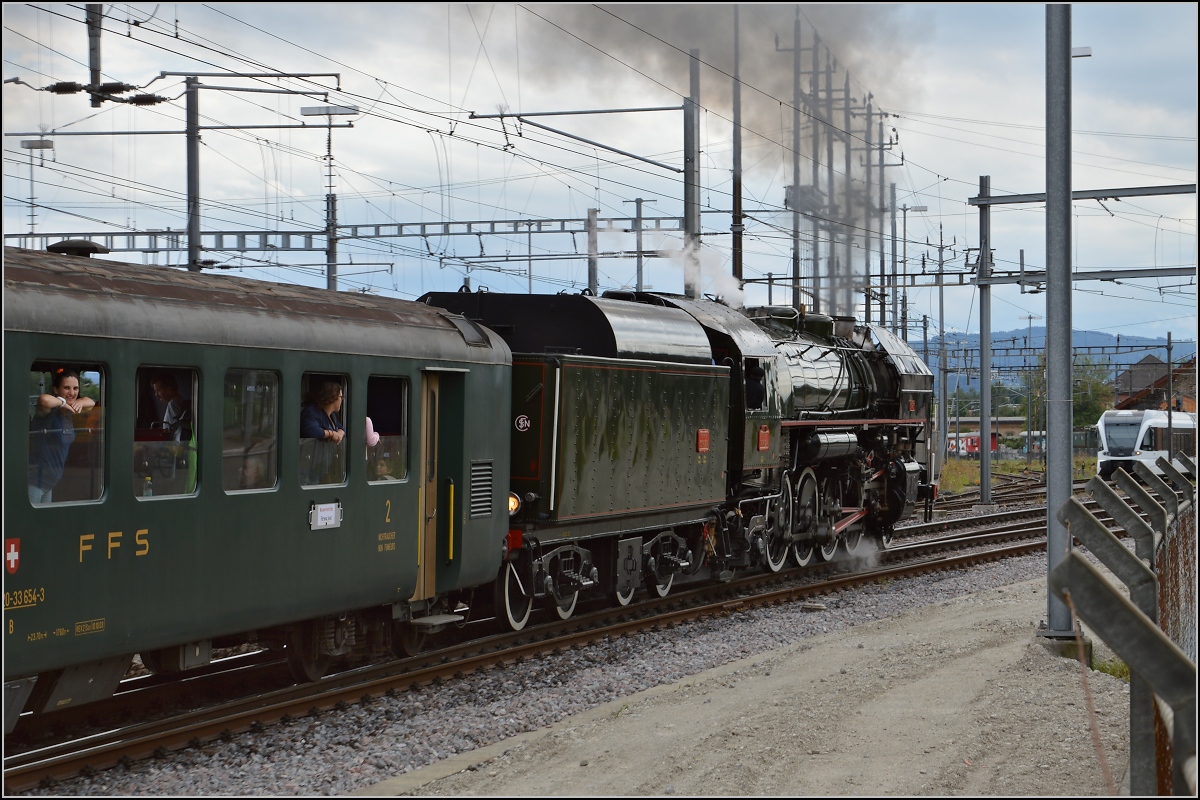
column 387, row 439
column 323, row 445
column 66, row 433
column 165, row 431
column 250, row 431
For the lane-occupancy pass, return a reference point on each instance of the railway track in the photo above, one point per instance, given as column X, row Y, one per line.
column 1005, row 488
column 273, row 698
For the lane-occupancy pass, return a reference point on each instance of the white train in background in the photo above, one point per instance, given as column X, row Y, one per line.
column 1129, row 436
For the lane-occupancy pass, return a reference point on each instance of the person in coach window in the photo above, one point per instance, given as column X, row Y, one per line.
column 320, row 420
column 51, row 433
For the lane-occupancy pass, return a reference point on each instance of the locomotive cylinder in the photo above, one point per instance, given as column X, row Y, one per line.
column 823, row 446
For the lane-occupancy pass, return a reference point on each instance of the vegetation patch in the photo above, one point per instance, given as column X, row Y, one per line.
column 1113, row 666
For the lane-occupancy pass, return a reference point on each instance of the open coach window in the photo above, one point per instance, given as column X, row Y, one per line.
column 322, row 416
column 387, row 439
column 66, row 432
column 250, row 430
column 165, row 431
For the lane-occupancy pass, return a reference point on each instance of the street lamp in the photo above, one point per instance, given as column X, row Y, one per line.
column 904, row 301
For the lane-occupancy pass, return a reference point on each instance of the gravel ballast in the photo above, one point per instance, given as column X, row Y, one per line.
column 359, row 747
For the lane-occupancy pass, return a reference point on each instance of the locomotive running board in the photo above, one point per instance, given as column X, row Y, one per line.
column 436, row 620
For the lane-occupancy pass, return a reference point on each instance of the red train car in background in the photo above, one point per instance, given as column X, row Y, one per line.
column 967, row 444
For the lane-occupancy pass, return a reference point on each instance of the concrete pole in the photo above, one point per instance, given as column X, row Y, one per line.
column 331, row 252
column 831, row 204
column 815, row 86
column 845, row 304
column 985, row 345
column 868, row 214
column 192, row 134
column 594, row 251
column 895, row 285
column 943, row 381
column 925, row 338
column 1058, row 301
column 796, row 161
column 638, row 202
column 691, row 180
column 95, row 21
column 737, row 228
column 1170, row 401
column 879, row 214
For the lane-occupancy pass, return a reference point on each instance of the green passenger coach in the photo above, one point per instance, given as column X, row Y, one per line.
column 177, row 507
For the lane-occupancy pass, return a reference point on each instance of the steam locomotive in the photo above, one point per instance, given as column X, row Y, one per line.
column 655, row 435
column 527, row 450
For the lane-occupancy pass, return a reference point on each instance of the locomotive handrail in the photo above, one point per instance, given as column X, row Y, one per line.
column 759, row 497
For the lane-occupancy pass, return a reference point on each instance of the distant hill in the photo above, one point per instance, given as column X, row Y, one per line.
column 1006, row 366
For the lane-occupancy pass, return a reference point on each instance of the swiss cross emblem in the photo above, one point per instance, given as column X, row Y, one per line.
column 12, row 555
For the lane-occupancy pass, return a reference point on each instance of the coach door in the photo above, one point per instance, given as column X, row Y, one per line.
column 441, row 512
column 428, row 503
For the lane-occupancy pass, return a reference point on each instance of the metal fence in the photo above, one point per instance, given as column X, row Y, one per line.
column 1154, row 630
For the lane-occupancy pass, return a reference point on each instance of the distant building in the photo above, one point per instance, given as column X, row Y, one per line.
column 1154, row 394
column 1137, row 379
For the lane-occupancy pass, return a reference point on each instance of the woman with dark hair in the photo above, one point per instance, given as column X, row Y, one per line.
column 51, row 432
column 320, row 417
column 320, row 421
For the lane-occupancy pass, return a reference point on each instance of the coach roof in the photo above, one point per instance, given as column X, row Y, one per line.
column 61, row 294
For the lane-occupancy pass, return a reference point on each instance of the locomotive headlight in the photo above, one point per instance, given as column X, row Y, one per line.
column 514, row 503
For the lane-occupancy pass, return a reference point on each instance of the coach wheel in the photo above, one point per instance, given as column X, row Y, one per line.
column 516, row 604
column 660, row 586
column 154, row 661
column 804, row 516
column 304, row 655
column 409, row 640
column 779, row 525
column 566, row 606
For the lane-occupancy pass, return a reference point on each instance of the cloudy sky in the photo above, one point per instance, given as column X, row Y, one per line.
column 963, row 85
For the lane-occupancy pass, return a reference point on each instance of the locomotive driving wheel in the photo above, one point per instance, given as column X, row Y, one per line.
column 804, row 516
column 779, row 525
column 855, row 535
column 831, row 508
